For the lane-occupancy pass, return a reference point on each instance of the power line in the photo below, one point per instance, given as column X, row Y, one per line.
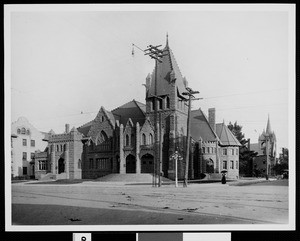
column 247, row 93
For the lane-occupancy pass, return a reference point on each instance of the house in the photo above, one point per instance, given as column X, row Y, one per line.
column 25, row 141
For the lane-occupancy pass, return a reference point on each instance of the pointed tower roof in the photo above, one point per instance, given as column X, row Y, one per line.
column 164, row 73
column 226, row 136
column 268, row 130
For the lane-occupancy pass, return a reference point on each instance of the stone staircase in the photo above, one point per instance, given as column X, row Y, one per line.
column 130, row 178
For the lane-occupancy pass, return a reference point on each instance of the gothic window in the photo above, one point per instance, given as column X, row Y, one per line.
column 168, row 102
column 23, row 131
column 79, row 164
column 127, row 140
column 150, row 139
column 18, row 131
column 144, row 139
column 132, row 140
column 102, row 138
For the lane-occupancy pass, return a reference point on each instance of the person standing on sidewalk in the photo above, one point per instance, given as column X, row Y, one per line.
column 223, row 180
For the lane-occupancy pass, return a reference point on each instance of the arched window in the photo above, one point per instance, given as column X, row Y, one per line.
column 203, row 149
column 144, row 139
column 150, row 139
column 168, row 102
column 65, row 147
column 23, row 131
column 57, row 148
column 102, row 137
column 79, row 164
column 132, row 140
column 127, row 140
column 18, row 131
column 28, row 132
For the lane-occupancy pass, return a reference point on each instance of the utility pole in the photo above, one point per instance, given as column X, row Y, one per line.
column 155, row 53
column 267, row 153
column 190, row 93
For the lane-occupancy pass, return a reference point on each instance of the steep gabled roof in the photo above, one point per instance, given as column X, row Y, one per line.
column 163, row 71
column 200, row 127
column 133, row 109
column 226, row 136
column 84, row 129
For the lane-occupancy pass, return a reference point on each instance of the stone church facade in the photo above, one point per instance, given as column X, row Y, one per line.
column 135, row 136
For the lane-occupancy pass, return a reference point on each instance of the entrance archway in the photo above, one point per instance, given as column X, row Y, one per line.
column 210, row 166
column 61, row 165
column 147, row 163
column 130, row 164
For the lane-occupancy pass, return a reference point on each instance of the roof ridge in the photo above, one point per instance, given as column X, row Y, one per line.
column 136, row 102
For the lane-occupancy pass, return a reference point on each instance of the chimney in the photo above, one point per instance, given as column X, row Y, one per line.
column 212, row 118
column 67, row 128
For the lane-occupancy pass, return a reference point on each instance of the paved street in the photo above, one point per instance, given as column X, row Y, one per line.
column 98, row 203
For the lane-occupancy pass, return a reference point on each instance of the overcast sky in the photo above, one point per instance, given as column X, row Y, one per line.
column 66, row 64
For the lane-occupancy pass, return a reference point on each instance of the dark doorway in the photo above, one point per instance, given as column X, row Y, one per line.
column 130, row 164
column 147, row 162
column 118, row 164
column 210, row 166
column 61, row 165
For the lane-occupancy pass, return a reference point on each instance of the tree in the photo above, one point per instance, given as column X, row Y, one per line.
column 237, row 132
column 245, row 155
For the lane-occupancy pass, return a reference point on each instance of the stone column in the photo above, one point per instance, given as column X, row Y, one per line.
column 53, row 161
column 67, row 161
column 122, row 158
column 137, row 147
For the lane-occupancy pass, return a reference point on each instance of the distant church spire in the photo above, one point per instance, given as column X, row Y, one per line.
column 268, row 130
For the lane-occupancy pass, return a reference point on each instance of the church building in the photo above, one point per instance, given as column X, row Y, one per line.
column 140, row 138
column 266, row 149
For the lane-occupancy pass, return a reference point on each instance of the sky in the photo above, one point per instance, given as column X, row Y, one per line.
column 66, row 62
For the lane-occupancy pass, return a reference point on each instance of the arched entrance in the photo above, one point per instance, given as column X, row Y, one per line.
column 210, row 166
column 61, row 165
column 130, row 164
column 147, row 163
